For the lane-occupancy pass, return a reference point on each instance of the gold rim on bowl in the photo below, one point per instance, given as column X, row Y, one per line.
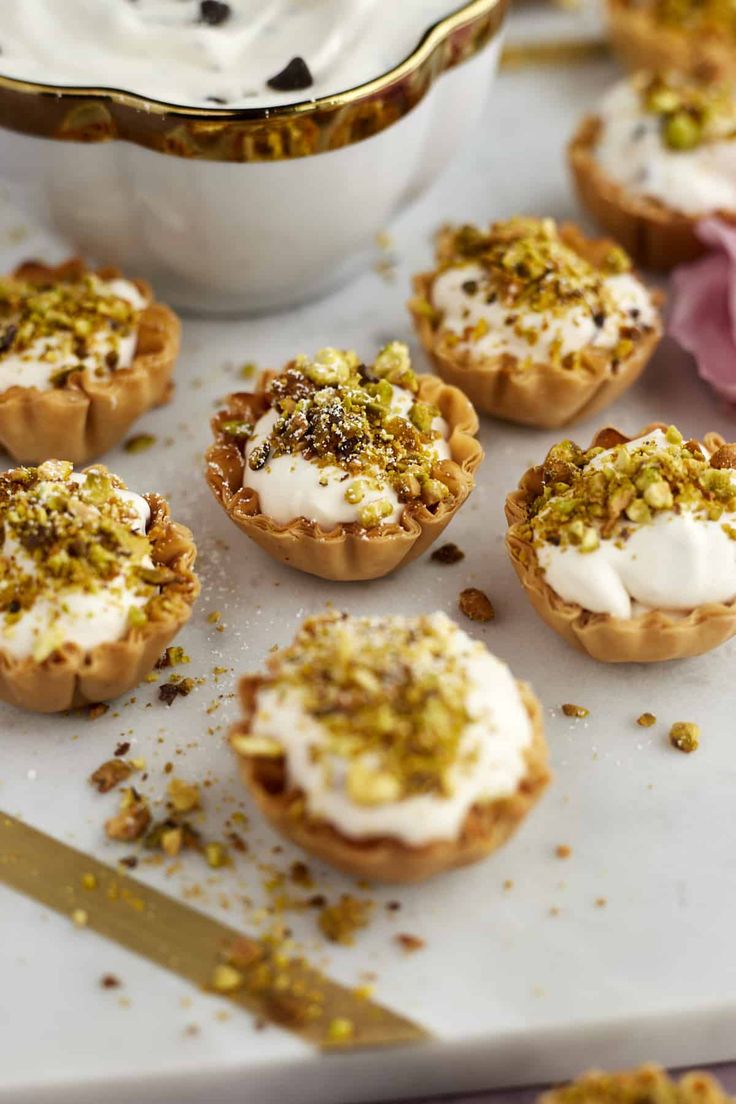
column 80, row 114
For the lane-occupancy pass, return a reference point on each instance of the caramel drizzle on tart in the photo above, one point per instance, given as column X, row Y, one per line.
column 690, row 113
column 389, row 697
column 580, row 505
column 528, row 268
column 335, row 410
column 70, row 313
column 64, row 536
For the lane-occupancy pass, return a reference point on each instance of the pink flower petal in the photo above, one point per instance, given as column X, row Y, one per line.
column 703, row 317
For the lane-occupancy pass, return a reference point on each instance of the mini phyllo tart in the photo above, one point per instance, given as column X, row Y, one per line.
column 647, row 1085
column 342, row 469
column 82, row 355
column 697, row 37
column 393, row 748
column 658, row 156
column 536, row 323
column 628, row 549
column 94, row 582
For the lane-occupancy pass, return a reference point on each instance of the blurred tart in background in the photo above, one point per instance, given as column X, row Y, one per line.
column 697, row 37
column 658, row 156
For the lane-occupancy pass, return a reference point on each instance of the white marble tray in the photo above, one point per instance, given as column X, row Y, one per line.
column 513, row 993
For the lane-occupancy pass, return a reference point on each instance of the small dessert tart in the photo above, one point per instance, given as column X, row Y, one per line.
column 537, row 324
column 94, row 582
column 393, row 748
column 658, row 156
column 628, row 549
column 649, row 1084
column 697, row 37
column 342, row 469
column 82, row 355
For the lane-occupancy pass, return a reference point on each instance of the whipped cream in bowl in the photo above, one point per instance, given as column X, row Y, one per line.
column 394, row 729
column 672, row 140
column 649, row 524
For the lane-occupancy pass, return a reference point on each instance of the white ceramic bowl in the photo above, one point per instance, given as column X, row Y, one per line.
column 231, row 211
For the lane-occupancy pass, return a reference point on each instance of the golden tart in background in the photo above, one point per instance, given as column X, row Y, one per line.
column 536, row 323
column 697, row 37
column 658, row 156
column 94, row 582
column 343, row 469
column 82, row 354
column 393, row 748
column 628, row 549
column 649, row 1084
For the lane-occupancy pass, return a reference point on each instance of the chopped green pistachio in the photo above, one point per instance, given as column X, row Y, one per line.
column 374, row 513
column 685, row 736
column 355, row 492
column 140, row 443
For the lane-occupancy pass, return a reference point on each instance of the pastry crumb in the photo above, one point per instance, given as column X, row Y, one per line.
column 410, row 943
column 98, row 710
column 476, row 605
column 447, row 554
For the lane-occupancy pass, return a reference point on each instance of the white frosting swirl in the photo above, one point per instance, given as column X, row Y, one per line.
column 291, row 486
column 631, row 152
column 165, row 50
column 508, row 330
column 675, row 562
column 490, row 761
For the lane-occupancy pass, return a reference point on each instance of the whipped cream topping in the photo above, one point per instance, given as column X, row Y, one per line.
column 630, row 150
column 86, row 614
column 489, row 762
column 204, row 54
column 290, row 486
column 675, row 562
column 47, row 359
column 462, row 294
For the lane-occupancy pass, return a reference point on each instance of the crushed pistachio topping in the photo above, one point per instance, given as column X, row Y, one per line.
column 58, row 535
column 716, row 17
column 390, row 697
column 582, row 503
column 528, row 268
column 65, row 323
column 690, row 113
column 335, row 410
column 685, row 736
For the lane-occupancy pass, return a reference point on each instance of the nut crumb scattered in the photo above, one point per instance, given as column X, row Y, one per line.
column 139, row 443
column 601, row 902
column 79, row 917
column 98, row 710
column 340, row 1030
column 172, row 657
column 183, row 796
column 476, row 605
column 226, row 979
column 339, row 922
column 110, row 981
column 571, row 710
column 171, row 690
column 646, row 720
column 685, row 736
column 409, row 943
column 110, row 774
column 132, row 820
column 563, row 851
column 448, row 554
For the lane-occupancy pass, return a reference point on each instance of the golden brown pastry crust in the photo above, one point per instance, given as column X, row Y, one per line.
column 85, row 417
column 642, row 42
column 648, row 1083
column 486, row 827
column 657, row 236
column 71, row 677
column 347, row 552
column 649, row 638
column 544, row 395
